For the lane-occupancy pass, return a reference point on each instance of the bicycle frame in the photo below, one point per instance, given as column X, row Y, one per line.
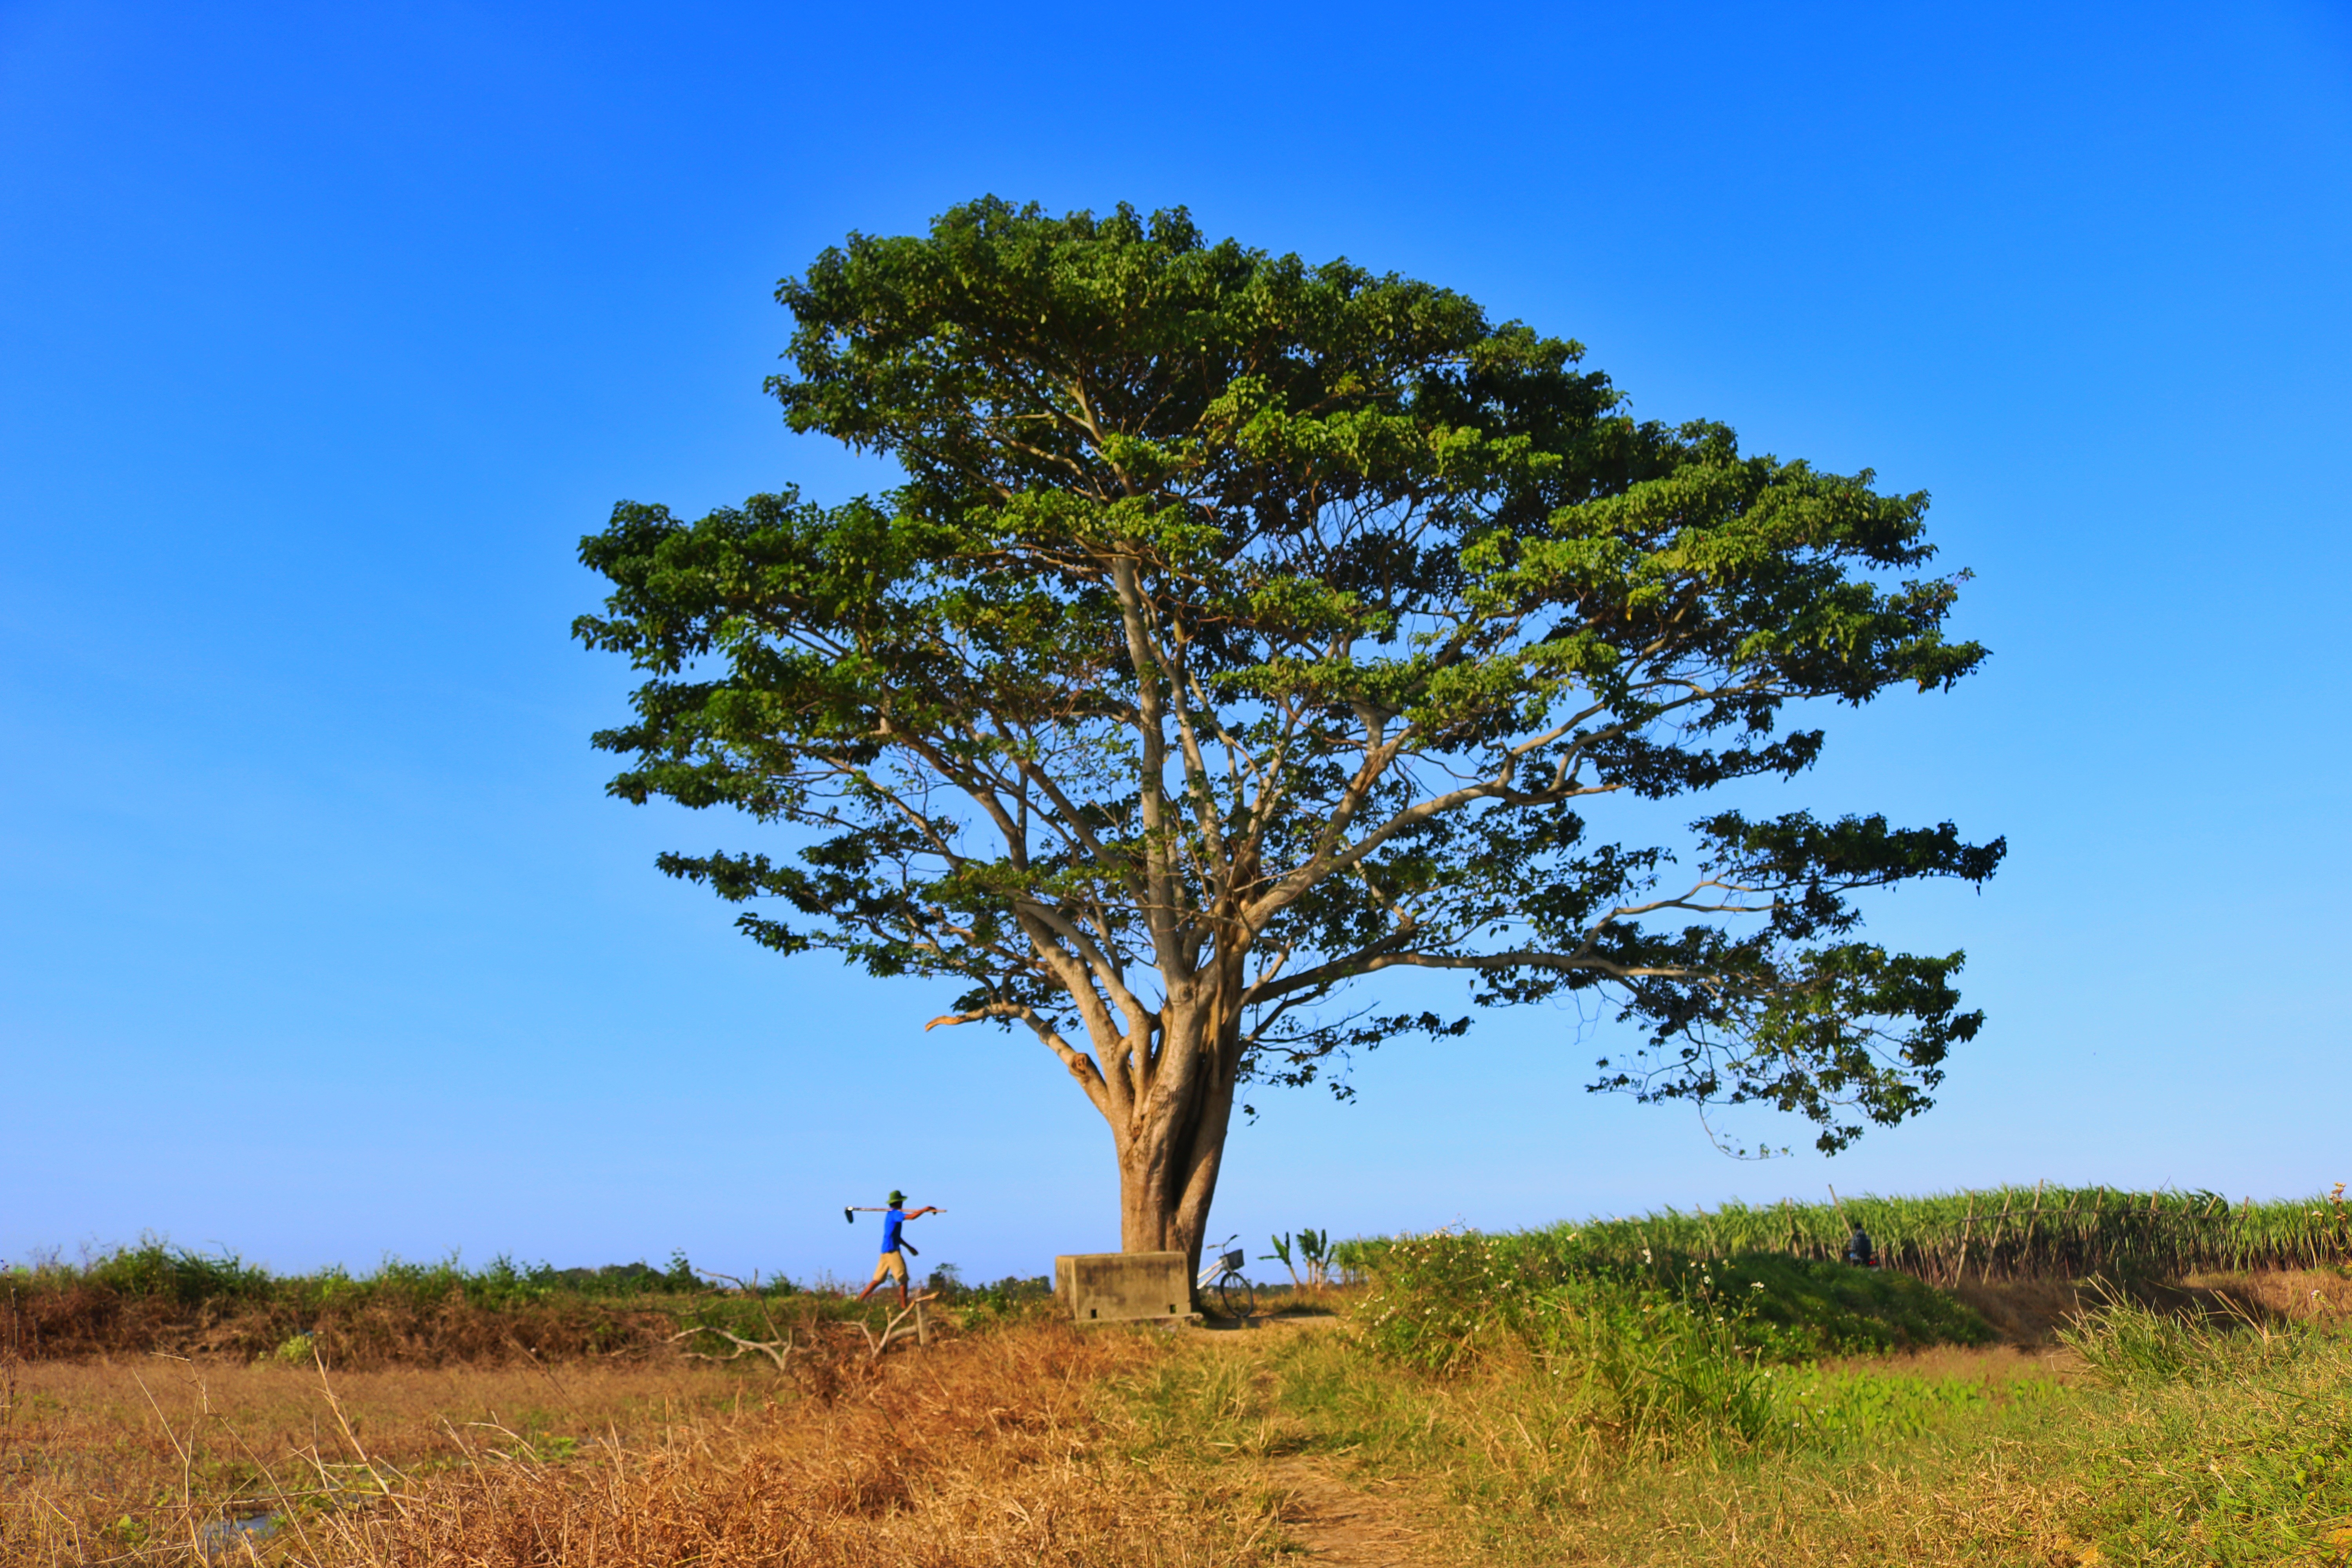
column 1236, row 1296
column 1224, row 1263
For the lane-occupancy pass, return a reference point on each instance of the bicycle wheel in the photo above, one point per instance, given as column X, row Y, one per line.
column 1236, row 1297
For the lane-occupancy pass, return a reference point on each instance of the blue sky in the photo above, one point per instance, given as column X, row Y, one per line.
column 326, row 331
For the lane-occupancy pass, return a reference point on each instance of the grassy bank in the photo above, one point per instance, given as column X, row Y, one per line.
column 1443, row 1302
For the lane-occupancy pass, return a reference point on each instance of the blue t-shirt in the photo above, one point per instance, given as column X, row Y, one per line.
column 892, row 1218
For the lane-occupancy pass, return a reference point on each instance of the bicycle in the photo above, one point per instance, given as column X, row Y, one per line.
column 1236, row 1297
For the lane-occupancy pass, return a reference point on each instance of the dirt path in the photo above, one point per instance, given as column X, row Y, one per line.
column 1341, row 1525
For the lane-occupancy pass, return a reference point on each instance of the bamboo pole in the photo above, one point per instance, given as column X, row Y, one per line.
column 1839, row 1204
column 1993, row 1247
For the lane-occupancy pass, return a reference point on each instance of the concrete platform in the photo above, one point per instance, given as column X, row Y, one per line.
column 1124, row 1287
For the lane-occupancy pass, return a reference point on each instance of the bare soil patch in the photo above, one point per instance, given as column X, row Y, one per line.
column 1339, row 1524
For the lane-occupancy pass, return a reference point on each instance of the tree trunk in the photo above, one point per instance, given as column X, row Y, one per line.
column 1169, row 1158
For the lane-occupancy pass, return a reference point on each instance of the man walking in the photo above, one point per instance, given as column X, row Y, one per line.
column 891, row 1265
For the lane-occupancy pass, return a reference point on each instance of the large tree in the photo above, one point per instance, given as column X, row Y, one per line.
column 1244, row 629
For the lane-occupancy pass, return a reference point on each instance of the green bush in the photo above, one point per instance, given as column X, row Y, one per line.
column 1669, row 1350
column 1440, row 1302
column 155, row 1269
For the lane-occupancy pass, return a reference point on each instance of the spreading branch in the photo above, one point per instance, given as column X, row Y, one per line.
column 1244, row 632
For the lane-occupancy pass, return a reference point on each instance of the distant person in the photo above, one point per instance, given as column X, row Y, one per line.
column 891, row 1265
column 1858, row 1250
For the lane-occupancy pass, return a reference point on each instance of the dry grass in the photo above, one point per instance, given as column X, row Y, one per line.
column 994, row 1448
column 2316, row 1295
column 109, row 1456
column 998, row 1452
column 1036, row 1444
column 1993, row 1366
column 2029, row 1312
column 2023, row 1312
column 115, row 1453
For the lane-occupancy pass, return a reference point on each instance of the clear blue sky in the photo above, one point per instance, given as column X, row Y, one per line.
column 325, row 331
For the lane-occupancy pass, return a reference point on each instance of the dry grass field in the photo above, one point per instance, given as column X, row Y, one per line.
column 998, row 1447
column 2210, row 1421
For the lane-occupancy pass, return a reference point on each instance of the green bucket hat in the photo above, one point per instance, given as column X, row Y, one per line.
column 897, row 1197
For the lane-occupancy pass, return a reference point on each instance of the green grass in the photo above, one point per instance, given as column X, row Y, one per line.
column 1648, row 1393
column 2234, row 1441
column 2231, row 1445
column 1671, row 1406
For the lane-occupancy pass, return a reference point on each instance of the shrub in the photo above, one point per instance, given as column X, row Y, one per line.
column 1669, row 1350
column 1440, row 1302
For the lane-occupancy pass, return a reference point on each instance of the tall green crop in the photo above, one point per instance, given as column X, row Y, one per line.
column 2001, row 1233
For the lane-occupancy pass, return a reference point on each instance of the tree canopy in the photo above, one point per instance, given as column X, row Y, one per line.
column 1243, row 629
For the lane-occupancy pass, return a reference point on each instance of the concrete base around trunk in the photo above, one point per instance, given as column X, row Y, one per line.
column 1124, row 1287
